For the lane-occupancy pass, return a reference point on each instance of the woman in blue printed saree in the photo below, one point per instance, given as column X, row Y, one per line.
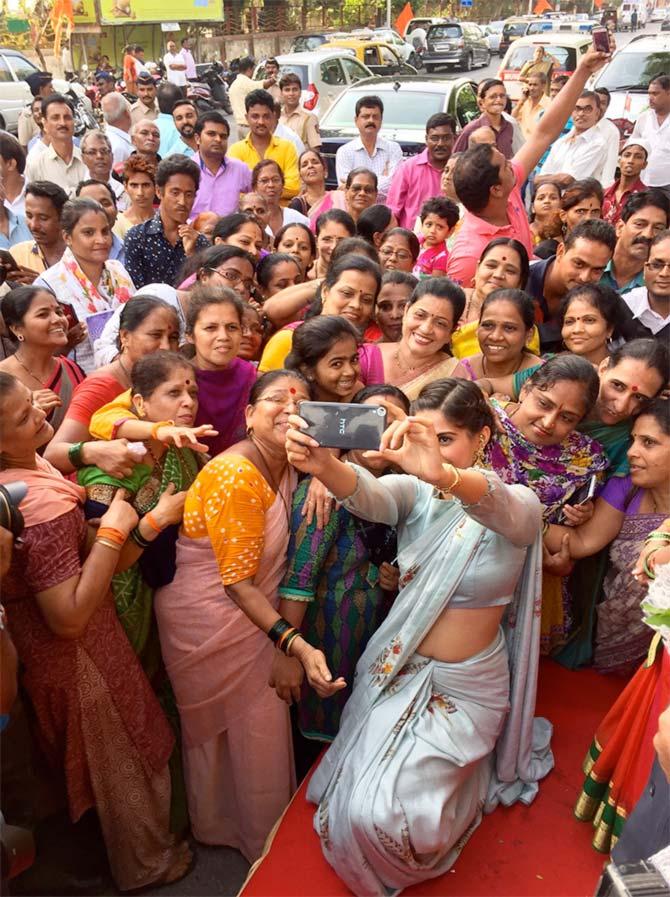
column 440, row 723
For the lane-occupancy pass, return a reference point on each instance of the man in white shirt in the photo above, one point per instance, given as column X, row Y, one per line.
column 118, row 121
column 582, row 152
column 61, row 161
column 369, row 151
column 190, row 72
column 650, row 304
column 96, row 151
column 175, row 65
column 654, row 126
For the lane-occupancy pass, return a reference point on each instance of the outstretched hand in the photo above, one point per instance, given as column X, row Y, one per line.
column 186, row 437
column 411, row 444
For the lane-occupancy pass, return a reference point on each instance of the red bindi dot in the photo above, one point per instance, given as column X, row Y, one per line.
column 634, row 388
column 188, row 382
column 291, row 389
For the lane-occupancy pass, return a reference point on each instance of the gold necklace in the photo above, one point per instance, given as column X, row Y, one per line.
column 28, row 371
column 409, row 369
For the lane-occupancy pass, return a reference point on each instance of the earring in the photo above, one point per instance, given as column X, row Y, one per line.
column 20, row 338
column 249, row 432
column 479, row 457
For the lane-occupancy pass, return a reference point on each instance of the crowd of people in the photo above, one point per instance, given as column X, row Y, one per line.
column 203, row 596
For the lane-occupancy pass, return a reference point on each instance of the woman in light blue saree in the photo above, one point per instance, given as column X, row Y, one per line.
column 440, row 724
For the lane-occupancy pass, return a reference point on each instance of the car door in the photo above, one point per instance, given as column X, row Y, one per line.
column 390, row 64
column 332, row 82
column 354, row 70
column 480, row 43
column 463, row 103
column 14, row 93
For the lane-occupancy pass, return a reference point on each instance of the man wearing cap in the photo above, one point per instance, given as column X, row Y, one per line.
column 61, row 161
column 145, row 106
column 632, row 162
column 40, row 84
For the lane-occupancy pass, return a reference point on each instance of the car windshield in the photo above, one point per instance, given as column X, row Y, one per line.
column 438, row 32
column 565, row 57
column 285, row 69
column 515, row 29
column 634, row 71
column 408, row 110
column 306, row 43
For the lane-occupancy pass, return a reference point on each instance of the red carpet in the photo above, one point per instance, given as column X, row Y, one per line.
column 536, row 851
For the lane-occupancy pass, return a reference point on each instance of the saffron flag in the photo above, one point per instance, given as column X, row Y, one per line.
column 542, row 6
column 403, row 19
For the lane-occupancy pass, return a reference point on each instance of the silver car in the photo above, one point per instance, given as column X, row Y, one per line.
column 323, row 73
column 15, row 94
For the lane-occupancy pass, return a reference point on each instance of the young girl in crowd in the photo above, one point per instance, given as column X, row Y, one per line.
column 276, row 272
column 297, row 240
column 337, row 587
column 438, row 218
column 374, row 223
column 545, row 217
column 331, row 228
column 325, row 351
column 243, row 230
column 394, row 296
column 37, row 325
column 252, row 334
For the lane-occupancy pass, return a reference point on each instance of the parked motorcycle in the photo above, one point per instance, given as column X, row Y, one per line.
column 210, row 90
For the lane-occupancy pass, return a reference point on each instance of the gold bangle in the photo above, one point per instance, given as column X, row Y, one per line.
column 108, row 544
column 455, row 482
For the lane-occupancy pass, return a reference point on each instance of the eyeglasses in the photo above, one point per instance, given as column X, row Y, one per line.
column 281, row 398
column 270, row 182
column 658, row 266
column 252, row 328
column 401, row 254
column 97, row 152
column 359, row 188
column 255, row 210
column 233, row 276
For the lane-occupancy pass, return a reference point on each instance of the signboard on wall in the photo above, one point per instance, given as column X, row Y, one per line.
column 126, row 12
column 84, row 12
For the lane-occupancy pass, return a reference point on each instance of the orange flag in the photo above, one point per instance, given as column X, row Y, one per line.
column 598, row 4
column 403, row 19
column 542, row 6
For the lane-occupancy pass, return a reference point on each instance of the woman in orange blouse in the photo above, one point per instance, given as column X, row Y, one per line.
column 213, row 619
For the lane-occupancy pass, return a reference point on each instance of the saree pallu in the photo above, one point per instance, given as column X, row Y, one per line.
column 414, row 790
column 621, row 755
column 238, row 753
column 622, row 638
column 64, row 382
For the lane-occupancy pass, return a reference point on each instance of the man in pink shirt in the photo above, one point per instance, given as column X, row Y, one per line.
column 489, row 185
column 418, row 179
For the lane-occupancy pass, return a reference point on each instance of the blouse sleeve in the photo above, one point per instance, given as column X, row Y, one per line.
column 514, row 512
column 233, row 499
column 91, row 395
column 389, row 499
column 308, row 549
column 616, row 492
column 109, row 418
column 52, row 551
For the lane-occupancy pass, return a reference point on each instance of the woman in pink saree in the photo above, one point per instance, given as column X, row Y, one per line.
column 213, row 619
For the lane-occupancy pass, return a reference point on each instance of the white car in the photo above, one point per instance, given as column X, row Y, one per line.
column 493, row 32
column 323, row 73
column 15, row 93
column 628, row 73
column 659, row 14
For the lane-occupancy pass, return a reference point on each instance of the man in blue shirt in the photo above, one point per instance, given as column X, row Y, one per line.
column 157, row 248
column 167, row 95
